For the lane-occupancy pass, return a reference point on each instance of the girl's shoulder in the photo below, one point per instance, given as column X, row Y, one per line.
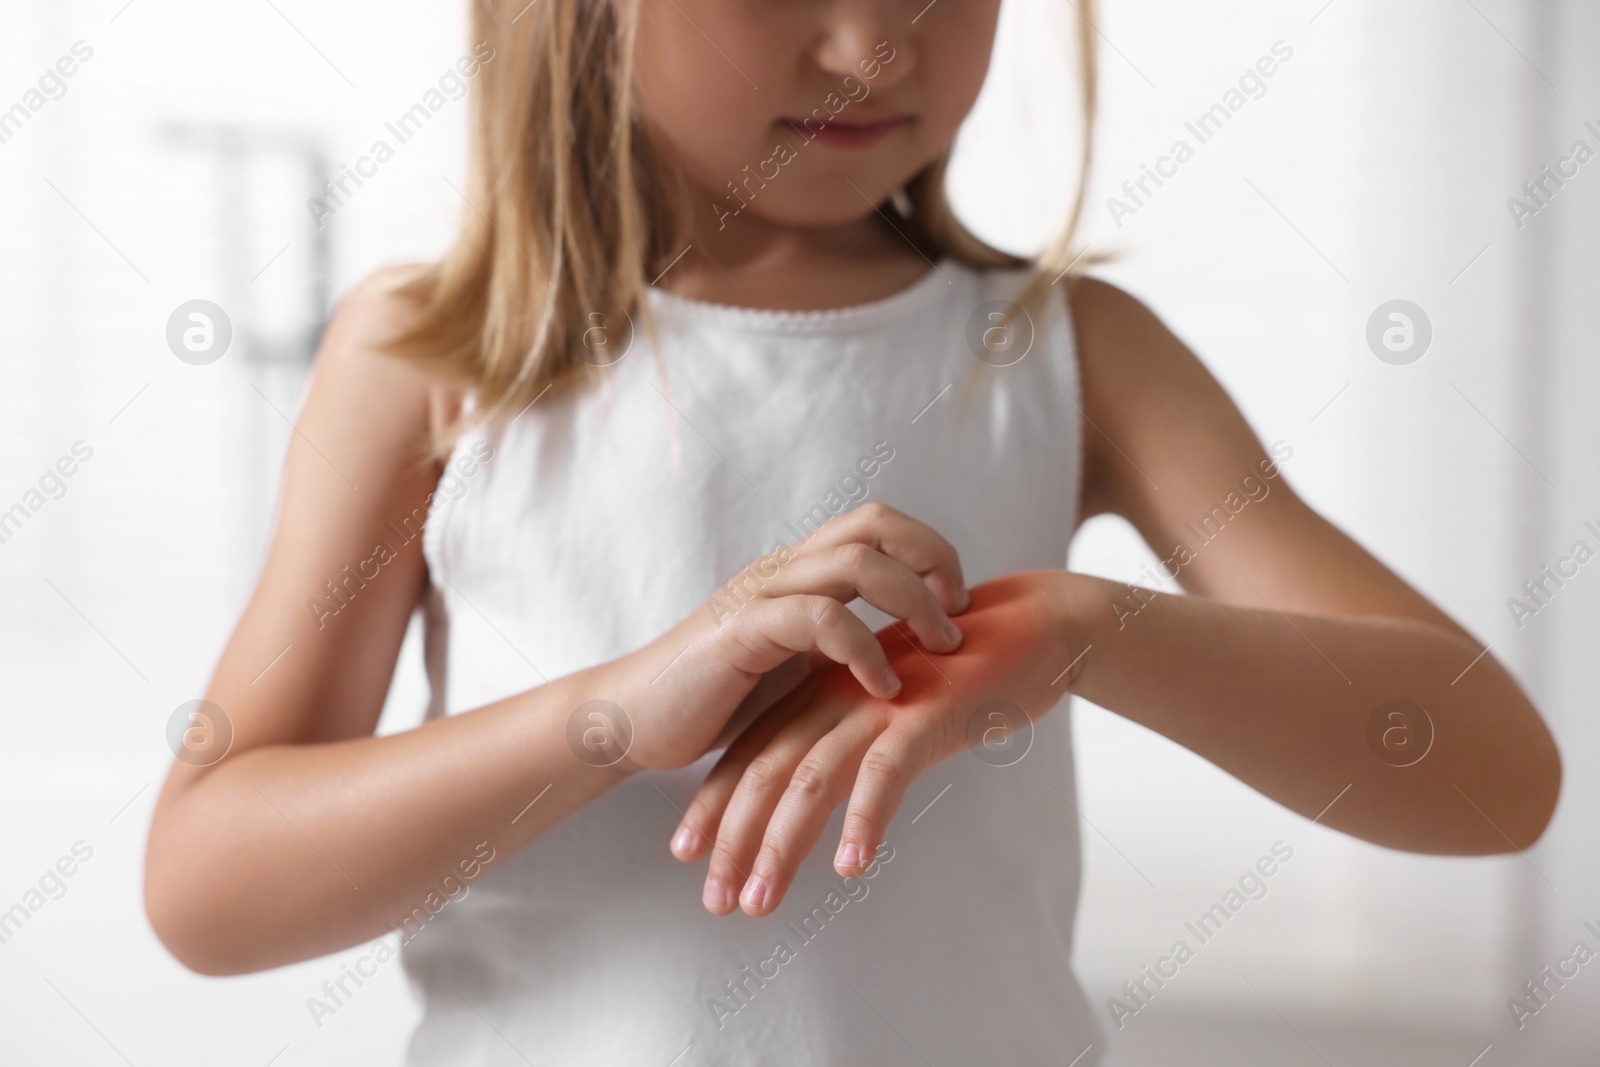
column 375, row 310
column 1122, row 343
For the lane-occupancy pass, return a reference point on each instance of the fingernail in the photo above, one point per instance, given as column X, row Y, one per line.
column 963, row 597
column 716, row 896
column 755, row 893
column 683, row 841
column 952, row 632
column 890, row 680
column 848, row 859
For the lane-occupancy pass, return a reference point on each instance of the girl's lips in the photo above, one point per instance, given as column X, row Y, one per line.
column 842, row 134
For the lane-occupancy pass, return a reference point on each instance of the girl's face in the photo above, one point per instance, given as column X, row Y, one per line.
column 808, row 112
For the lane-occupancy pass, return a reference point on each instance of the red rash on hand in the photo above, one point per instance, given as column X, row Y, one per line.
column 1014, row 648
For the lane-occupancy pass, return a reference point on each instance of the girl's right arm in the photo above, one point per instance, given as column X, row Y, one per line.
column 311, row 834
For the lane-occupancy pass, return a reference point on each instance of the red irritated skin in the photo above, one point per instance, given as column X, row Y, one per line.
column 770, row 796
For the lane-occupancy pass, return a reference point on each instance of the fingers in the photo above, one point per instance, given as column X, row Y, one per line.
column 766, row 803
column 749, row 809
column 887, row 769
column 801, row 623
column 818, row 784
column 698, row 828
column 915, row 545
column 848, row 570
column 792, row 600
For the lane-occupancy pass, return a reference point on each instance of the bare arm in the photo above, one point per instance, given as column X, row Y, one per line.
column 1295, row 636
column 311, row 834
column 1285, row 703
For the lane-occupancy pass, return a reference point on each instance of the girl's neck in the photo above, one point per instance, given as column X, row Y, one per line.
column 754, row 262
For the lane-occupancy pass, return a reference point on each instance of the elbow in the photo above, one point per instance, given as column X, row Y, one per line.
column 1528, row 791
column 193, row 954
column 1496, row 798
column 180, row 904
column 1541, row 792
column 179, row 924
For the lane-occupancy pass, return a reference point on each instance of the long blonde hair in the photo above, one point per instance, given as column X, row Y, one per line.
column 573, row 206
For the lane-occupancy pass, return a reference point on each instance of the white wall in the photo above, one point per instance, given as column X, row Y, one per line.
column 1389, row 143
column 153, row 549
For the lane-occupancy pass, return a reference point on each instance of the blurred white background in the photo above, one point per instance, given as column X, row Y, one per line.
column 1377, row 164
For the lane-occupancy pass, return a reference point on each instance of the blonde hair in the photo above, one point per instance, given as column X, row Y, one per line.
column 573, row 206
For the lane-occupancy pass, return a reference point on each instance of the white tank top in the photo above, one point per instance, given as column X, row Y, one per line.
column 606, row 516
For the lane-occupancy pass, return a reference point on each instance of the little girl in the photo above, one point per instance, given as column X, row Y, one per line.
column 710, row 306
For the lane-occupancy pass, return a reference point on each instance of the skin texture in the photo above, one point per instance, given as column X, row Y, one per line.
column 312, row 834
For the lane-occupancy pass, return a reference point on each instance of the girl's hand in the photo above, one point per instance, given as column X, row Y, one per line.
column 768, row 799
column 703, row 680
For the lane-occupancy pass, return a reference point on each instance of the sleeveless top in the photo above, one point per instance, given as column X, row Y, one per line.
column 599, row 520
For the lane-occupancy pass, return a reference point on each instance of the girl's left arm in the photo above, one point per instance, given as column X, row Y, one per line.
column 1296, row 662
column 1282, row 667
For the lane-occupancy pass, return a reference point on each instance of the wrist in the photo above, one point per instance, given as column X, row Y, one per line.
column 1078, row 605
column 600, row 722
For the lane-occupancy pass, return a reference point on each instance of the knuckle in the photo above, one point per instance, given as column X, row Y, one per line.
column 742, row 638
column 769, row 859
column 858, row 827
column 811, row 780
column 826, row 613
column 762, row 775
column 724, row 855
column 857, row 558
column 883, row 768
column 875, row 511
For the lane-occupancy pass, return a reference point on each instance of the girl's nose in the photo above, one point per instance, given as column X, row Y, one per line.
column 866, row 38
